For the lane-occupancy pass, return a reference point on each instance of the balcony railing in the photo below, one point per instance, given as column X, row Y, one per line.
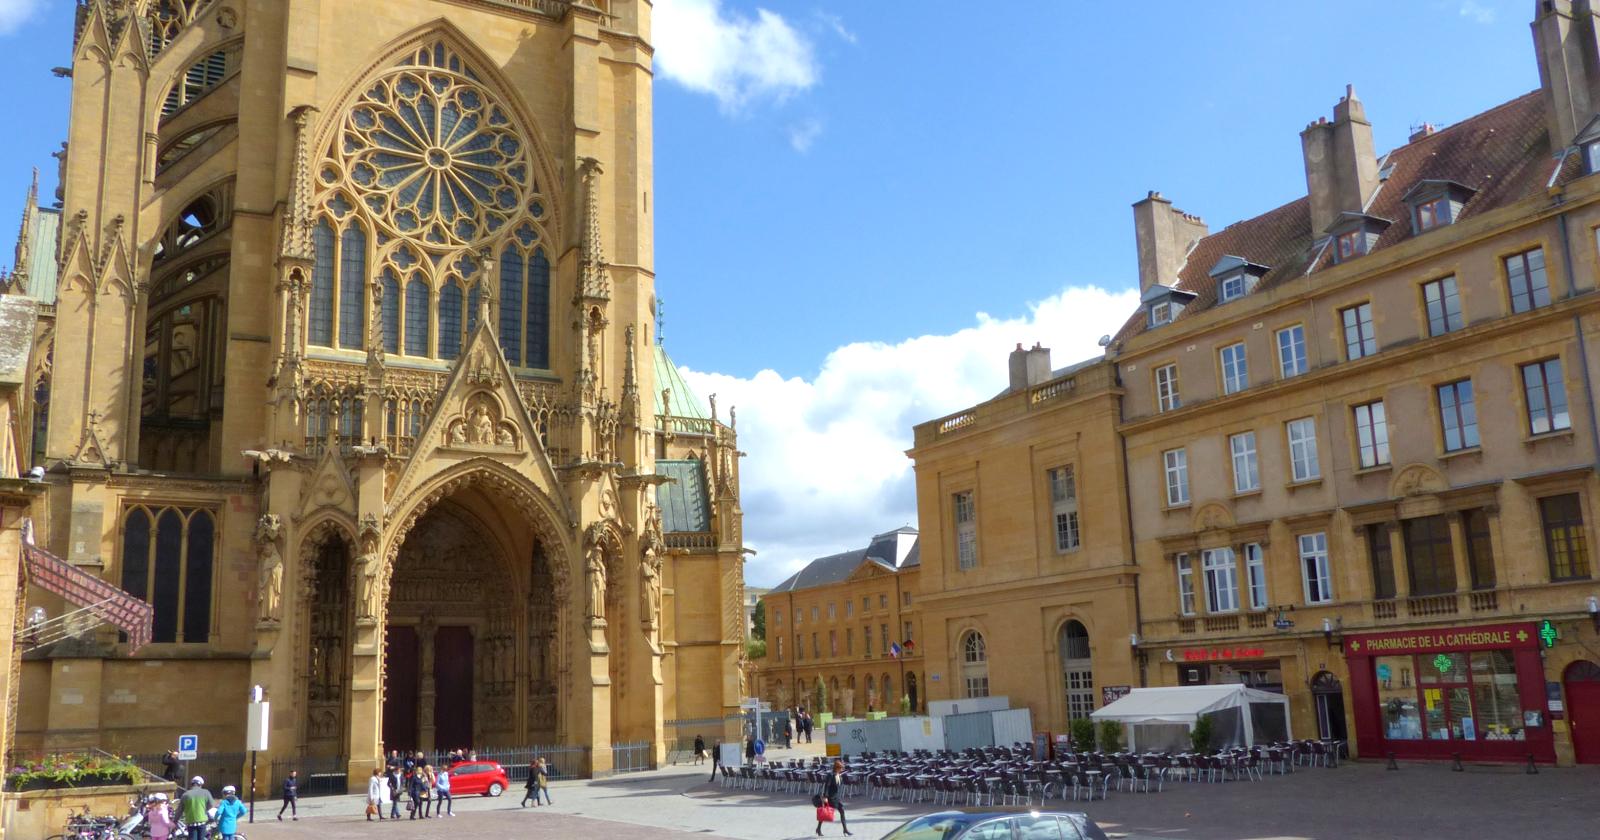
column 1222, row 623
column 1485, row 601
column 691, row 539
column 1382, row 610
column 1430, row 605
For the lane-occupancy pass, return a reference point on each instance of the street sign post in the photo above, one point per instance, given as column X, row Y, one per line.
column 188, row 747
column 256, row 729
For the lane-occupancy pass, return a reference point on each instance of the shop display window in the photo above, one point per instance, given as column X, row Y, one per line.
column 1453, row 697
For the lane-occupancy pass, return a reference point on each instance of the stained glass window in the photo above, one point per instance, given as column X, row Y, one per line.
column 352, row 284
column 512, row 270
column 417, row 305
column 538, row 335
column 450, row 320
column 321, row 325
column 391, row 311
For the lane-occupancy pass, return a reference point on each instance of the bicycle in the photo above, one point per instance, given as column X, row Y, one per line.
column 84, row 826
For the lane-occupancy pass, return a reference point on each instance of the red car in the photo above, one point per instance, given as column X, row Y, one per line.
column 485, row 778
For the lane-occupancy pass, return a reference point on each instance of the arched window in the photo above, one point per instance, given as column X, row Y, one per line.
column 391, row 311
column 167, row 556
column 1077, row 672
column 321, row 322
column 911, row 691
column 974, row 665
column 890, row 700
column 450, row 320
column 417, row 304
column 352, row 288
column 512, row 271
column 538, row 320
column 872, row 693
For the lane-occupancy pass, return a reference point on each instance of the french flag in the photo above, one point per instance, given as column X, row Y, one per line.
column 894, row 650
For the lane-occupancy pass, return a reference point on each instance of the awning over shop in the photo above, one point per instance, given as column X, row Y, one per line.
column 1158, row 718
column 97, row 601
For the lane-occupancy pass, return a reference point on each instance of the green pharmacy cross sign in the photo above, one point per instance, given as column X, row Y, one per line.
column 1548, row 633
column 1443, row 663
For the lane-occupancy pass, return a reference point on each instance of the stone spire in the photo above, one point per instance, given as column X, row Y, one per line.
column 593, row 281
column 297, row 218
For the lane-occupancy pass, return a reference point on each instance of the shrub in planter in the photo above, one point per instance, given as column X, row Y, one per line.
column 1200, row 736
column 1082, row 734
column 1110, row 736
column 56, row 772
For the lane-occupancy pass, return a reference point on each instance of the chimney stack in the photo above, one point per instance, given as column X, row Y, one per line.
column 1566, row 41
column 1164, row 235
column 1029, row 367
column 1341, row 163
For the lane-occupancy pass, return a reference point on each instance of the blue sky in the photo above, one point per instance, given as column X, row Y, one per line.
column 861, row 206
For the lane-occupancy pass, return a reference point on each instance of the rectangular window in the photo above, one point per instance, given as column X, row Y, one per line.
column 1314, row 568
column 1372, row 435
column 799, row 647
column 1565, row 544
column 883, row 602
column 833, row 643
column 1160, row 313
column 1303, row 462
column 816, row 650
column 1430, row 565
column 780, row 648
column 906, row 628
column 813, row 614
column 966, row 531
column 1235, row 369
column 1525, row 276
column 1458, row 415
column 1292, row 351
column 1246, row 474
column 1443, row 305
column 1185, row 585
column 833, row 611
column 1359, row 339
column 866, row 603
column 905, row 599
column 1167, row 397
column 1255, row 566
column 1480, row 549
column 849, row 641
column 1349, row 245
column 1222, row 580
column 1177, row 468
column 1431, row 214
column 883, row 630
column 866, row 639
column 849, row 608
column 777, row 618
column 1233, row 286
column 1382, row 554
column 1546, row 394
column 1064, row 507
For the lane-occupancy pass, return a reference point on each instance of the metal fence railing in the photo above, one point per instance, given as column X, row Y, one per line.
column 561, row 762
column 632, row 757
column 217, row 768
column 320, row 775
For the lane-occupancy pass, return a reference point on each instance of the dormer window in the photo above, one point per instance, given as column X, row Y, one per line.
column 1236, row 277
column 1436, row 203
column 1162, row 304
column 1355, row 234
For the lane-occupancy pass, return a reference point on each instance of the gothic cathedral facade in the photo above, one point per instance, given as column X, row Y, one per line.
column 350, row 372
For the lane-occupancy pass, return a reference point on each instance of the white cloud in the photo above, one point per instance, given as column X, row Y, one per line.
column 802, row 134
column 1476, row 12
column 827, row 467
column 836, row 23
column 14, row 13
column 735, row 58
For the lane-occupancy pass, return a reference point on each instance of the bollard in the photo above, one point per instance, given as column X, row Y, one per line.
column 1456, row 765
column 1532, row 769
column 1392, row 764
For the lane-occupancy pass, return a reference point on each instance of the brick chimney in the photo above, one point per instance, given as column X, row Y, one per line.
column 1341, row 164
column 1566, row 41
column 1164, row 235
column 1029, row 367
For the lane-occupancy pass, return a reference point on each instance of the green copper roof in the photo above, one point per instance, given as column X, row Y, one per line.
column 43, row 230
column 684, row 506
column 684, row 401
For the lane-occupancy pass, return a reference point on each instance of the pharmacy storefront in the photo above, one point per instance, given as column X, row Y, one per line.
column 1476, row 691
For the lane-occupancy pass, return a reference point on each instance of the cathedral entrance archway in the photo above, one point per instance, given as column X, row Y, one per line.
column 471, row 633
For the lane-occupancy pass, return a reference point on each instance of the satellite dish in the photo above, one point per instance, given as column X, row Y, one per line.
column 1105, row 341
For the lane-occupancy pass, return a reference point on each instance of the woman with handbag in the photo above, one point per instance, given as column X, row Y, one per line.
column 831, row 802
column 377, row 787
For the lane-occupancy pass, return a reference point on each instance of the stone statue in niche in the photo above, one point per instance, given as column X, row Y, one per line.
column 506, row 438
column 370, row 563
column 482, row 427
column 270, row 585
column 594, row 559
column 458, row 434
column 650, row 571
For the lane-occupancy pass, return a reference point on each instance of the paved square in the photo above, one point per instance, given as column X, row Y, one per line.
column 1356, row 800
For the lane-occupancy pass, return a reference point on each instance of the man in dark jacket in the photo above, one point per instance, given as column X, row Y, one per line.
column 291, row 796
column 169, row 766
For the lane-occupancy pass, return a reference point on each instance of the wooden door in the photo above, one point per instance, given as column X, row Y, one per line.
column 452, row 686
column 1583, row 710
column 400, row 689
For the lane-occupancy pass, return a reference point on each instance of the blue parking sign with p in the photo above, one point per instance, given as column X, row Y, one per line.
column 188, row 747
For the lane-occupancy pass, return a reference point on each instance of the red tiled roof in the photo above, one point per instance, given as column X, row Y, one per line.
column 1503, row 153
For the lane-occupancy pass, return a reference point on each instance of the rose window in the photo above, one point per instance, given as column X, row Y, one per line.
column 433, row 156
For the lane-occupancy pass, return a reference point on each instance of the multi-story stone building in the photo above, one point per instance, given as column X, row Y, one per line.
column 843, row 633
column 349, row 373
column 1028, row 582
column 1359, row 437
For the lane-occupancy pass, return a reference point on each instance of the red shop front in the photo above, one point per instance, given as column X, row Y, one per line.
column 1477, row 691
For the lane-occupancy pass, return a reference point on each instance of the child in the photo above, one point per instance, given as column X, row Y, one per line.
column 159, row 817
column 229, row 810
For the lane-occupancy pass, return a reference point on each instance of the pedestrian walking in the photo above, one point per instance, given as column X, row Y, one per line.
column 414, row 791
column 396, row 790
column 159, row 817
column 425, row 770
column 544, row 783
column 229, row 810
column 833, row 794
column 749, row 751
column 787, row 742
column 291, row 795
column 699, row 749
column 716, row 759
column 377, row 786
column 444, row 805
column 195, row 807
column 532, row 791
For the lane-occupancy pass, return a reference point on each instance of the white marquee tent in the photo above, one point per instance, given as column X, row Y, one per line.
column 1162, row 718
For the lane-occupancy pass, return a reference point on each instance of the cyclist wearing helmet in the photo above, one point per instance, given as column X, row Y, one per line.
column 195, row 806
column 228, row 813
